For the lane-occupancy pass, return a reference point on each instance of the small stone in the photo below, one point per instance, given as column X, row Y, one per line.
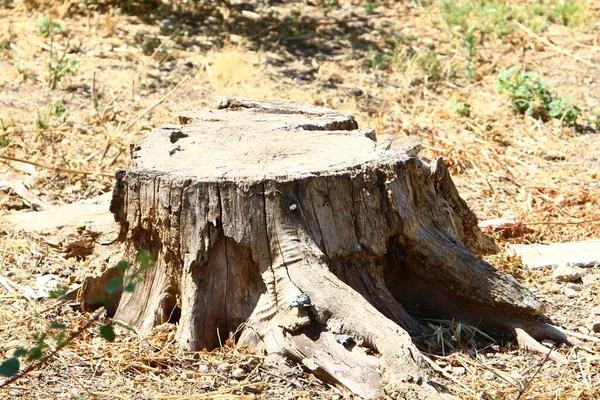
column 570, row 293
column 203, row 369
column 238, row 373
column 584, row 330
column 458, row 370
column 168, row 25
column 566, row 273
column 223, row 367
column 596, row 327
column 574, row 286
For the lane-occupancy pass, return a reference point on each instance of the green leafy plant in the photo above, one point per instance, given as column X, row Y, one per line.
column 429, row 63
column 566, row 12
column 20, row 67
column 470, row 43
column 59, row 68
column 41, row 122
column 370, row 6
column 569, row 12
column 55, row 110
column 531, row 96
column 485, row 16
column 289, row 25
column 462, row 108
column 38, row 354
column 378, row 59
column 327, row 6
column 456, row 13
column 58, row 110
column 46, row 26
column 4, row 138
column 470, row 72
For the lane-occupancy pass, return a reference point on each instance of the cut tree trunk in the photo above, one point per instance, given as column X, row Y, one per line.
column 290, row 227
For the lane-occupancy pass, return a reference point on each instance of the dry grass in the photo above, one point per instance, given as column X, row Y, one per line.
column 398, row 71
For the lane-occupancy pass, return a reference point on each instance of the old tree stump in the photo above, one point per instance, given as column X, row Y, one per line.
column 289, row 225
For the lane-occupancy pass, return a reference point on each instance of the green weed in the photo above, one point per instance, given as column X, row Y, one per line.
column 46, row 26
column 149, row 47
column 289, row 25
column 470, row 72
column 483, row 16
column 55, row 110
column 457, row 13
column 531, row 96
column 462, row 108
column 20, row 67
column 327, row 6
column 4, row 139
column 470, row 43
column 376, row 59
column 370, row 6
column 41, row 122
column 429, row 63
column 58, row 110
column 566, row 12
column 59, row 68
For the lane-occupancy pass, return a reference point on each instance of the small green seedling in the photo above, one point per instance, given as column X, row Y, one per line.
column 370, row 6
column 462, row 108
column 46, row 26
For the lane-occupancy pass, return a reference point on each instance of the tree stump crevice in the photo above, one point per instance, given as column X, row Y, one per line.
column 310, row 244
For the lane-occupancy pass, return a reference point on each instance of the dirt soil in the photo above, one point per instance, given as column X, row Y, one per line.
column 403, row 68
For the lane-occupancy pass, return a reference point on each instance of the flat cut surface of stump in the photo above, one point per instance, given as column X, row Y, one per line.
column 298, row 234
column 250, row 145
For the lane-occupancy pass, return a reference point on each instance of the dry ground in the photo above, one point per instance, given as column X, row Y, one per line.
column 400, row 67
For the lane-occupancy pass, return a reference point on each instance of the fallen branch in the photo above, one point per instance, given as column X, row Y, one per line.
column 55, row 169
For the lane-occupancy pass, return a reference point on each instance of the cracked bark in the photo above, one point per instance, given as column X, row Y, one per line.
column 288, row 222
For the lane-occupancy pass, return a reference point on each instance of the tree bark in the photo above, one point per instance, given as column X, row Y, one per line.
column 290, row 227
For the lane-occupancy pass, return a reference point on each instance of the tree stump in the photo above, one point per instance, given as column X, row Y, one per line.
column 291, row 227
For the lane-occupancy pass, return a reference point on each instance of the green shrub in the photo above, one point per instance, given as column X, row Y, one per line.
column 531, row 96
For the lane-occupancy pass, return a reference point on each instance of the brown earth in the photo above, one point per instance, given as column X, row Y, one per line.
column 397, row 69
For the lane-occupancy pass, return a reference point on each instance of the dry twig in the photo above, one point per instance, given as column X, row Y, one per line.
column 553, row 46
column 522, row 391
column 55, row 169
